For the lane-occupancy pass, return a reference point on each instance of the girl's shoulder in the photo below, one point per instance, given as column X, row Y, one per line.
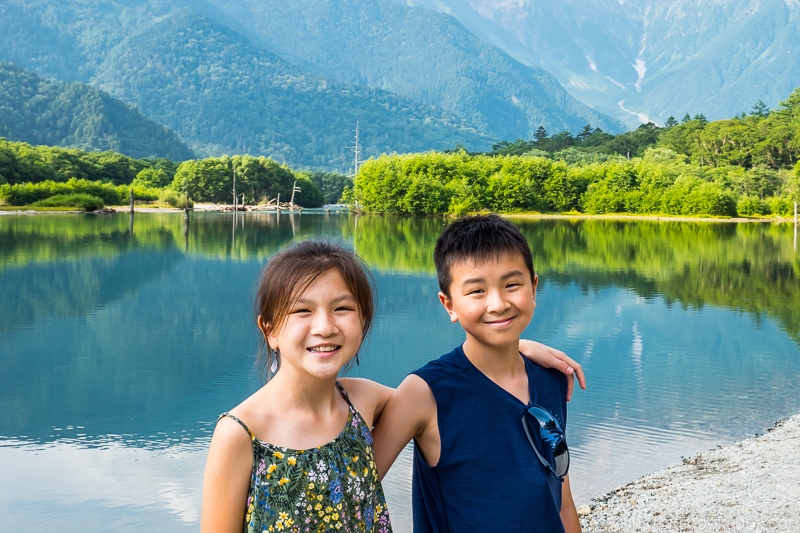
column 367, row 396
column 248, row 417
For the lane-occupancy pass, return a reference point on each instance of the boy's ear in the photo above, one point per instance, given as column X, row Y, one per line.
column 535, row 284
column 448, row 306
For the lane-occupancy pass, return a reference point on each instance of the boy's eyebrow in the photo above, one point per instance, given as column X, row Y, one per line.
column 504, row 277
column 512, row 274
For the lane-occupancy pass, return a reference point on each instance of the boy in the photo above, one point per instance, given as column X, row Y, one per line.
column 480, row 462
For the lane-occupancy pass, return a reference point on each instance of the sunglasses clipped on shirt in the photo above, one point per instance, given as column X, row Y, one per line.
column 547, row 439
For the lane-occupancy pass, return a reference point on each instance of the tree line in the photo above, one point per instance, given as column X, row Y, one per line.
column 747, row 165
column 30, row 174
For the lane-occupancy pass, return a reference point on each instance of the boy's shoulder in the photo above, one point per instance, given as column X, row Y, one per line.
column 449, row 364
column 547, row 378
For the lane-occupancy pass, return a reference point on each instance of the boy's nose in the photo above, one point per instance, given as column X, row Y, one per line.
column 495, row 303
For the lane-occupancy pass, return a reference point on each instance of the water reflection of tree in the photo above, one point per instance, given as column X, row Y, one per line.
column 748, row 267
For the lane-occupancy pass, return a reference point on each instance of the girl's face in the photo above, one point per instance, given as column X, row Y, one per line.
column 322, row 331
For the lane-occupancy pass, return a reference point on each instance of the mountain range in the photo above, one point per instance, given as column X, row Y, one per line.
column 647, row 60
column 290, row 79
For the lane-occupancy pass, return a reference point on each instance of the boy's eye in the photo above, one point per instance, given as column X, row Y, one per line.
column 475, row 291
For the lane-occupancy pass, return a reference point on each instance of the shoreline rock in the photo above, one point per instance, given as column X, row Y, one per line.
column 750, row 486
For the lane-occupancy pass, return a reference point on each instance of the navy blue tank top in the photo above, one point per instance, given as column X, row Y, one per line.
column 488, row 477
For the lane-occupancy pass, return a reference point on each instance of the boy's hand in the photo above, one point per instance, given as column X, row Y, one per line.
column 548, row 357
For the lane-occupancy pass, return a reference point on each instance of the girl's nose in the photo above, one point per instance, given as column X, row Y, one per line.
column 324, row 325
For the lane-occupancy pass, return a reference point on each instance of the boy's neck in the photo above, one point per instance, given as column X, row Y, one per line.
column 502, row 364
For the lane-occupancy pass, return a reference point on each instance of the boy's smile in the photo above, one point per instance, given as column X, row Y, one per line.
column 493, row 300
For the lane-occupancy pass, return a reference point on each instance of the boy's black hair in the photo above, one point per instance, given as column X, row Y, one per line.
column 478, row 238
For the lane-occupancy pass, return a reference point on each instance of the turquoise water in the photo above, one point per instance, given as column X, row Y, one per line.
column 122, row 339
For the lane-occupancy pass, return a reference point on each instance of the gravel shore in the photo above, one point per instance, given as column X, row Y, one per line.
column 751, row 486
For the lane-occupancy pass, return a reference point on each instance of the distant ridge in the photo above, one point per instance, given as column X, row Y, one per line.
column 648, row 59
column 75, row 115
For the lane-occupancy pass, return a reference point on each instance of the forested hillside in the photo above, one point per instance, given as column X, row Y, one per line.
column 224, row 95
column 258, row 78
column 38, row 111
column 427, row 56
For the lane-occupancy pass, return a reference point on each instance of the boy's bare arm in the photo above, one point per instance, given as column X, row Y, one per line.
column 569, row 514
column 368, row 396
column 407, row 414
column 548, row 357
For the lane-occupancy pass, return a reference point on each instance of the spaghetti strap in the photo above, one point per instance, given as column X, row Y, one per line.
column 343, row 391
column 247, row 429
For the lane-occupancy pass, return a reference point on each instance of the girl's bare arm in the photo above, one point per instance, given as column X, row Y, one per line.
column 226, row 481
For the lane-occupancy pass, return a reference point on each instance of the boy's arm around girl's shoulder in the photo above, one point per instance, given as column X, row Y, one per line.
column 549, row 357
column 226, row 481
column 368, row 397
column 410, row 413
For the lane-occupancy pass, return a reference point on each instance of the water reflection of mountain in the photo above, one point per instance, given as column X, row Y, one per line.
column 129, row 362
column 75, row 289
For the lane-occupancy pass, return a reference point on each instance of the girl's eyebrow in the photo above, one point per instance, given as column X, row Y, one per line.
column 340, row 298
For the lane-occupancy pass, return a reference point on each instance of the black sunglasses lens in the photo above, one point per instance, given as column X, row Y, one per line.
column 561, row 457
column 548, row 440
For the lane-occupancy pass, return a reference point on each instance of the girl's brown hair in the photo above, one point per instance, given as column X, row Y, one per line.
column 289, row 273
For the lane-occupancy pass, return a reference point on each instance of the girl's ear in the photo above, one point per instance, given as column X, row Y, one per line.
column 266, row 330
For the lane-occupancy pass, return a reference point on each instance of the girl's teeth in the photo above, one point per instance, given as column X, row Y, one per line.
column 323, row 349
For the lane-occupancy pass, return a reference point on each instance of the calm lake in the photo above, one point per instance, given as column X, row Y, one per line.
column 122, row 339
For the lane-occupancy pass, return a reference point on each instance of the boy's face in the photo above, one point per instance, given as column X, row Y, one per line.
column 494, row 300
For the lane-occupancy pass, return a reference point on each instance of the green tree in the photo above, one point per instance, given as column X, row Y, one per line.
column 331, row 184
column 760, row 110
column 585, row 133
column 151, row 177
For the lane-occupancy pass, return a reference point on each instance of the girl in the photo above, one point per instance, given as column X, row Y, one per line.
column 297, row 454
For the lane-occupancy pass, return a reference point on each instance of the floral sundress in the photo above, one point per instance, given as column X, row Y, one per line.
column 332, row 488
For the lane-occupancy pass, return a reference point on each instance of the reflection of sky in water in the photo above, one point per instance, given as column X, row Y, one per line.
column 108, row 409
column 109, row 486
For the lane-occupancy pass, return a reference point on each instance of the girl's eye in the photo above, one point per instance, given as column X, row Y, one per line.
column 300, row 311
column 345, row 308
